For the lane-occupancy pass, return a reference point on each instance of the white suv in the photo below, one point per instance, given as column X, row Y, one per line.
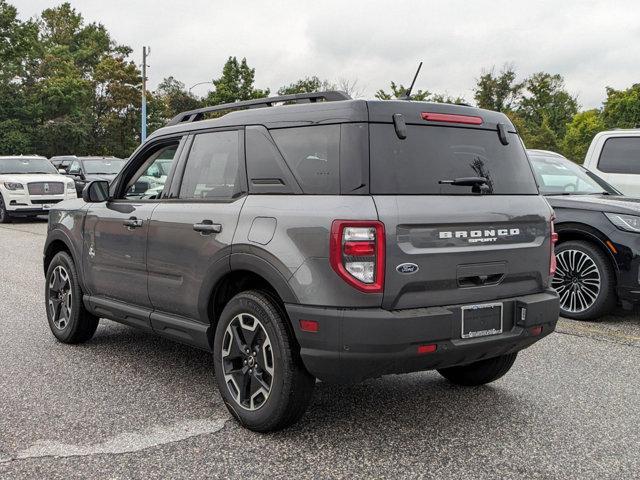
column 30, row 185
column 615, row 157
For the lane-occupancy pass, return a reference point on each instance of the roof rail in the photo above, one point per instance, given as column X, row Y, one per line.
column 198, row 114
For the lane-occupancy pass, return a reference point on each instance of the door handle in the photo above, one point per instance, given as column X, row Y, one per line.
column 207, row 227
column 132, row 222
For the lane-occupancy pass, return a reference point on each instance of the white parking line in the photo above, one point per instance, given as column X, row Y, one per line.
column 126, row 442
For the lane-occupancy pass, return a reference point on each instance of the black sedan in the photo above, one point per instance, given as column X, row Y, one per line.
column 86, row 169
column 598, row 249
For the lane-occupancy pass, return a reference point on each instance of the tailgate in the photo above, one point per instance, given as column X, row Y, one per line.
column 454, row 249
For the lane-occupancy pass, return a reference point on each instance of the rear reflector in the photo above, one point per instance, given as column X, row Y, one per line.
column 451, row 118
column 535, row 331
column 430, row 348
column 554, row 239
column 309, row 326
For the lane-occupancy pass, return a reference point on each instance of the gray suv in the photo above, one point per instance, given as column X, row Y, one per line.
column 312, row 237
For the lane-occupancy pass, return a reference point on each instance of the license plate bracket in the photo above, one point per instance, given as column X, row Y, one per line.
column 481, row 320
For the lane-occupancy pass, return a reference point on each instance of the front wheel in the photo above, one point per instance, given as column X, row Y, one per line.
column 4, row 215
column 258, row 369
column 479, row 373
column 69, row 321
column 584, row 280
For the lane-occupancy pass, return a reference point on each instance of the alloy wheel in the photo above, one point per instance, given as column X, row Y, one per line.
column 577, row 281
column 60, row 297
column 247, row 361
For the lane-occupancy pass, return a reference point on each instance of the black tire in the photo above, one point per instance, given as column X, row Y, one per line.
column 76, row 324
column 479, row 373
column 4, row 215
column 290, row 385
column 605, row 298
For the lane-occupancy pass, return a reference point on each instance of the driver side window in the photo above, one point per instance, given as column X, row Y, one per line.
column 149, row 180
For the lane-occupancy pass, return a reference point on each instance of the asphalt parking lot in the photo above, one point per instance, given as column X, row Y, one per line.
column 128, row 404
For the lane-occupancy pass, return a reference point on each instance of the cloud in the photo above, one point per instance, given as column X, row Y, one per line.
column 590, row 43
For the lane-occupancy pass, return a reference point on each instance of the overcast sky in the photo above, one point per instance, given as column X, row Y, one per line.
column 593, row 44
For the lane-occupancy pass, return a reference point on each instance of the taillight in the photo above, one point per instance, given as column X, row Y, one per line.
column 356, row 253
column 452, row 118
column 554, row 240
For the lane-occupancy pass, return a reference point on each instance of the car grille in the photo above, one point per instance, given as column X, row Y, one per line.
column 48, row 202
column 45, row 188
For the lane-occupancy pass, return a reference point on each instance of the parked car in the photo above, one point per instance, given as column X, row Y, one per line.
column 87, row 169
column 62, row 162
column 29, row 186
column 324, row 238
column 598, row 249
column 614, row 156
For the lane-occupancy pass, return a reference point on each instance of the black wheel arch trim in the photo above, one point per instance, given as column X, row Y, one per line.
column 255, row 262
column 61, row 236
column 591, row 234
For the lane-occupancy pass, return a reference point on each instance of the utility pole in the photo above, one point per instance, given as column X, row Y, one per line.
column 143, row 128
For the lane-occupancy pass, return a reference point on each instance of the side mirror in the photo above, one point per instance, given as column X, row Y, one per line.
column 96, row 191
column 62, row 171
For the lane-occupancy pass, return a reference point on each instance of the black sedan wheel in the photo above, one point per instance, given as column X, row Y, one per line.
column 584, row 281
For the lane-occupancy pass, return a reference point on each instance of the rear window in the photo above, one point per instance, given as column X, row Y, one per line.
column 620, row 155
column 429, row 154
column 312, row 154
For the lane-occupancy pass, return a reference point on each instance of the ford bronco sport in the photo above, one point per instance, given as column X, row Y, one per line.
column 313, row 236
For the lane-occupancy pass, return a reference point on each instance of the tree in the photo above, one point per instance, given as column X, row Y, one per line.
column 499, row 92
column 235, row 84
column 545, row 100
column 580, row 132
column 622, row 107
column 399, row 91
column 175, row 97
column 306, row 85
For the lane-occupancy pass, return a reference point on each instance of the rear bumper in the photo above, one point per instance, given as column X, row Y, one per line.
column 354, row 344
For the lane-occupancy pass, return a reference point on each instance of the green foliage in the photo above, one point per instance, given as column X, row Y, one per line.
column 622, row 107
column 307, row 85
column 499, row 92
column 399, row 91
column 235, row 84
column 545, row 100
column 580, row 132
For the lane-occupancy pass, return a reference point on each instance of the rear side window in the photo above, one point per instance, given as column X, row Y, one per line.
column 620, row 155
column 312, row 154
column 430, row 154
column 213, row 167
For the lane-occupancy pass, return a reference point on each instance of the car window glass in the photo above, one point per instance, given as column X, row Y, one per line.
column 620, row 155
column 312, row 154
column 558, row 175
column 212, row 170
column 150, row 179
column 74, row 168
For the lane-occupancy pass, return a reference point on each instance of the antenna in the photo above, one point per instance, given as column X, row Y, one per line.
column 407, row 94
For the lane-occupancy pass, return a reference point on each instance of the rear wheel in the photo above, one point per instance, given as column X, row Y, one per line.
column 69, row 321
column 258, row 370
column 479, row 373
column 584, row 280
column 4, row 215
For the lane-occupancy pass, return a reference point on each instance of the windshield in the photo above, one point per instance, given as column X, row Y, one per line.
column 437, row 161
column 561, row 176
column 26, row 165
column 109, row 166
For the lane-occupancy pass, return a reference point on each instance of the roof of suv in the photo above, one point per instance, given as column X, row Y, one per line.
column 337, row 111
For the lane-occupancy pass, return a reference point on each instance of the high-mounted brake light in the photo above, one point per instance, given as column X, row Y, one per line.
column 451, row 118
column 554, row 239
column 357, row 253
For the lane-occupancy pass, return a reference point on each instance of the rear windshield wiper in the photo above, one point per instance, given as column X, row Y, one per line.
column 478, row 184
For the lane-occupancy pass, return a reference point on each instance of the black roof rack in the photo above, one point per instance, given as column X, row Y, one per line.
column 198, row 114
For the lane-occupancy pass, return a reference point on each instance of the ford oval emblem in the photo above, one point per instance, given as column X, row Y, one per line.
column 407, row 268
